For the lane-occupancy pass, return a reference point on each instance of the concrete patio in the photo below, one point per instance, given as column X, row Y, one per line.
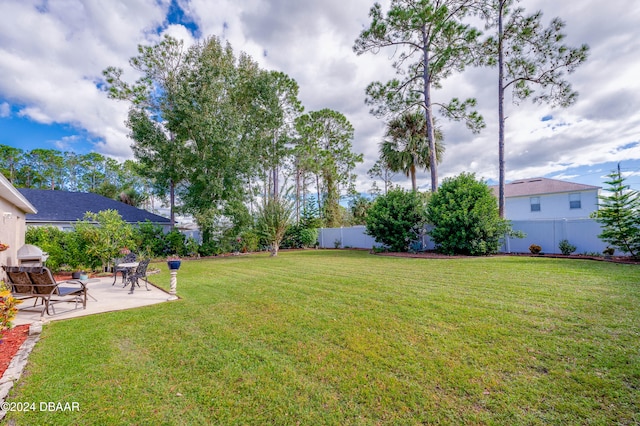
column 103, row 297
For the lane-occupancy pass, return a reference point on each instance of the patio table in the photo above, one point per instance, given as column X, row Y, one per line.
column 131, row 266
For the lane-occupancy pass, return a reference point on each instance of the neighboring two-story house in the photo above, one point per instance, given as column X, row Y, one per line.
column 542, row 198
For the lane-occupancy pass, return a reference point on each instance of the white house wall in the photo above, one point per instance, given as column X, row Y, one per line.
column 552, row 206
column 12, row 229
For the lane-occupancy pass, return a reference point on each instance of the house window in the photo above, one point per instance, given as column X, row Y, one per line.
column 574, row 201
column 535, row 204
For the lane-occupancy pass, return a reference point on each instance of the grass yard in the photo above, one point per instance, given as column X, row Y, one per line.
column 344, row 337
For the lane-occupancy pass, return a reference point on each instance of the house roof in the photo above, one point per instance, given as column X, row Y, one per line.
column 540, row 186
column 11, row 194
column 64, row 206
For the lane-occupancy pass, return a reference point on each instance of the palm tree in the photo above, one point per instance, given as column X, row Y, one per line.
column 406, row 147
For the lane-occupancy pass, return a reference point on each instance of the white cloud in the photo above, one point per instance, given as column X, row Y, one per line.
column 5, row 109
column 52, row 58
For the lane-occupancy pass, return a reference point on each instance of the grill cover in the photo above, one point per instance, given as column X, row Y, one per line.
column 29, row 255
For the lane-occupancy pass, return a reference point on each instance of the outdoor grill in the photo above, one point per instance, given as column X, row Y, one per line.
column 30, row 255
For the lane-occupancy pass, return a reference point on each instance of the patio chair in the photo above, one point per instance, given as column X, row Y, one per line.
column 130, row 257
column 140, row 272
column 52, row 292
column 38, row 283
column 19, row 283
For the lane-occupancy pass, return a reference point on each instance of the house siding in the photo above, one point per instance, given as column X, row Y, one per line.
column 552, row 206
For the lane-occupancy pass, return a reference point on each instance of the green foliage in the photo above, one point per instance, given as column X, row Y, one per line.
column 310, row 217
column 297, row 236
column 249, row 241
column 65, row 249
column 274, row 218
column 619, row 214
column 566, row 248
column 429, row 42
column 105, row 233
column 465, row 215
column 150, row 238
column 406, row 147
column 8, row 308
column 393, row 218
column 359, row 207
column 532, row 60
column 325, row 140
column 175, row 243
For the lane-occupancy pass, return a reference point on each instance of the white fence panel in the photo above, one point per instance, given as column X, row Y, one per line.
column 353, row 237
column 582, row 233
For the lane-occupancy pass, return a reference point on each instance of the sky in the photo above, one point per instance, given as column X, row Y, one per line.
column 52, row 53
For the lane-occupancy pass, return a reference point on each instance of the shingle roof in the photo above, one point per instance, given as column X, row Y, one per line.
column 540, row 186
column 63, row 206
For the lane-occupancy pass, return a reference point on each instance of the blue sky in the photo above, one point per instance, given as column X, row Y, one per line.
column 52, row 54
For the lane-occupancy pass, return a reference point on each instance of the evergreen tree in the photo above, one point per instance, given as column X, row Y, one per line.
column 619, row 215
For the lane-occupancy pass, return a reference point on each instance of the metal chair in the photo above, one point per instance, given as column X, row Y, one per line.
column 129, row 258
column 140, row 272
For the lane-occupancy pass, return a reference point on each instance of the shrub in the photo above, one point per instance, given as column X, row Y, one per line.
column 175, row 243
column 392, row 218
column 150, row 238
column 64, row 247
column 566, row 248
column 298, row 236
column 535, row 249
column 8, row 308
column 465, row 216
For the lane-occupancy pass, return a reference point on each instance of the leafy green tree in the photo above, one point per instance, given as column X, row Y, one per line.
column 527, row 55
column 406, row 147
column 153, row 99
column 394, row 218
column 10, row 161
column 209, row 113
column 105, row 233
column 431, row 41
column 270, row 121
column 326, row 136
column 619, row 214
column 465, row 217
column 92, row 171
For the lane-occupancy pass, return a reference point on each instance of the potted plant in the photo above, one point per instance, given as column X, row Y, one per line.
column 173, row 262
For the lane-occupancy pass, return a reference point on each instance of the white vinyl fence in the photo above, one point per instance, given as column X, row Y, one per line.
column 582, row 233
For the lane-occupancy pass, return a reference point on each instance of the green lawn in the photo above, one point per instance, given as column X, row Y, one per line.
column 344, row 337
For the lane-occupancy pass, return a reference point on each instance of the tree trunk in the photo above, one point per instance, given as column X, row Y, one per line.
column 297, row 194
column 414, row 183
column 433, row 162
column 172, row 202
column 501, row 119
